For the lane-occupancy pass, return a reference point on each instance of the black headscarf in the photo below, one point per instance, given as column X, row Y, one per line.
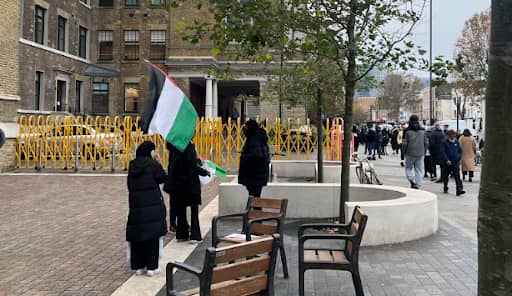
column 251, row 127
column 145, row 149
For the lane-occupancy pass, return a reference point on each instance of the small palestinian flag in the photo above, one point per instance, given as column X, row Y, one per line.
column 219, row 172
column 168, row 111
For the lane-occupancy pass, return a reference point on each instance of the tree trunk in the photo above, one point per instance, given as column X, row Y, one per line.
column 350, row 82
column 495, row 199
column 319, row 128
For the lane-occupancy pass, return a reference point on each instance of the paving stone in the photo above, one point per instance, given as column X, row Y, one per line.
column 65, row 234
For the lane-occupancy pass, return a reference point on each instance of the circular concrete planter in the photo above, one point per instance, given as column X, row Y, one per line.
column 395, row 214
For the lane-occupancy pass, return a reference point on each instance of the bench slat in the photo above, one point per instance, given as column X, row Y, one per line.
column 241, row 269
column 263, row 228
column 266, row 203
column 246, row 286
column 242, row 250
column 261, row 214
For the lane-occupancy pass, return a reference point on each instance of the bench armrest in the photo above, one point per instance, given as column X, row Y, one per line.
column 326, row 236
column 321, row 225
column 215, row 220
column 169, row 275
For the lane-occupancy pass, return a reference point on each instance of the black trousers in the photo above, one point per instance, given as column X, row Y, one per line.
column 182, row 227
column 254, row 190
column 446, row 171
column 144, row 254
column 172, row 212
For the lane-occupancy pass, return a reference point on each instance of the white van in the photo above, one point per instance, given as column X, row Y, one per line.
column 463, row 124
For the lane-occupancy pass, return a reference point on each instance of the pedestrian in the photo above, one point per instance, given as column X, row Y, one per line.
column 378, row 144
column 452, row 154
column 468, row 146
column 356, row 133
column 394, row 140
column 427, row 161
column 371, row 143
column 384, row 141
column 435, row 147
column 146, row 217
column 253, row 172
column 399, row 140
column 415, row 145
column 185, row 190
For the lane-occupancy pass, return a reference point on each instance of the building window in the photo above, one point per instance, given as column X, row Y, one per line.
column 131, row 97
column 78, row 96
column 61, row 33
column 157, row 2
column 131, row 2
column 131, row 45
column 105, row 46
column 38, row 90
column 157, row 50
column 106, row 3
column 40, row 20
column 100, row 98
column 82, row 45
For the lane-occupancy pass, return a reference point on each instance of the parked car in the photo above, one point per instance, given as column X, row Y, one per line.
column 90, row 143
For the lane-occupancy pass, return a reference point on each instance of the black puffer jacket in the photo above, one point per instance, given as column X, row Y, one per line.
column 184, row 171
column 146, row 219
column 254, row 159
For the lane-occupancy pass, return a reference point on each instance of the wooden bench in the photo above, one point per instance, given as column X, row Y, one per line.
column 241, row 269
column 333, row 258
column 261, row 217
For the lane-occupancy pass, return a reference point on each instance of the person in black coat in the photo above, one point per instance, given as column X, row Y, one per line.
column 254, row 159
column 452, row 154
column 437, row 137
column 185, row 190
column 146, row 217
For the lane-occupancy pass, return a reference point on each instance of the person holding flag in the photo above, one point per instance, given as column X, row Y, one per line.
column 170, row 113
column 185, row 190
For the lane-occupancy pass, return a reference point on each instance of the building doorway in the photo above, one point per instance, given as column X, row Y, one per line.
column 61, row 97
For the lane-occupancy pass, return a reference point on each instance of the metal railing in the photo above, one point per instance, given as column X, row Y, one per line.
column 109, row 143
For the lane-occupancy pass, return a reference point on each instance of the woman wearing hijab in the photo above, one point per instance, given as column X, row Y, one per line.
column 254, row 159
column 146, row 218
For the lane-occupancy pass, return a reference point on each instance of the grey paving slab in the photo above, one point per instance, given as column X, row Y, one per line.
column 427, row 266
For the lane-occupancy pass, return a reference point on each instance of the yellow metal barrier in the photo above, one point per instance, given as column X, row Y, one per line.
column 109, row 143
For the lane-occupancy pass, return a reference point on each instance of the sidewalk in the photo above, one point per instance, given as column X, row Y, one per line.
column 63, row 234
column 442, row 264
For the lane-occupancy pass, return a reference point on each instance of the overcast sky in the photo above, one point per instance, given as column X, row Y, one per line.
column 448, row 20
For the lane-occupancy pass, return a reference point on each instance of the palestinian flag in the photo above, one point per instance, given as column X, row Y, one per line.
column 168, row 111
column 215, row 168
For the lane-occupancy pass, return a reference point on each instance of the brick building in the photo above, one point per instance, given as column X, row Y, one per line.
column 9, row 77
column 86, row 57
column 55, row 49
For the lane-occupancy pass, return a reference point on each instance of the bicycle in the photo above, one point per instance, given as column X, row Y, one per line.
column 366, row 173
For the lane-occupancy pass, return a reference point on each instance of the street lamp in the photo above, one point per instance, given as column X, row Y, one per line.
column 431, row 109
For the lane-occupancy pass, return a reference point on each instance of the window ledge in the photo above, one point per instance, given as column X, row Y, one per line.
column 85, row 5
column 53, row 50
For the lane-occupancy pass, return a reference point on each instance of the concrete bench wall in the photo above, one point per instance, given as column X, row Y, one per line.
column 395, row 214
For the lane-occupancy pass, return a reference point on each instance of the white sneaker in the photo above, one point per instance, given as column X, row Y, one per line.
column 140, row 271
column 153, row 272
column 194, row 241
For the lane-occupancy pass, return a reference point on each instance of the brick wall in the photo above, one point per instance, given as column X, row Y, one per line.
column 54, row 65
column 9, row 35
column 8, row 155
column 9, row 76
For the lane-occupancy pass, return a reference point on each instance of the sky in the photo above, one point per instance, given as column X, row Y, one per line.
column 447, row 23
